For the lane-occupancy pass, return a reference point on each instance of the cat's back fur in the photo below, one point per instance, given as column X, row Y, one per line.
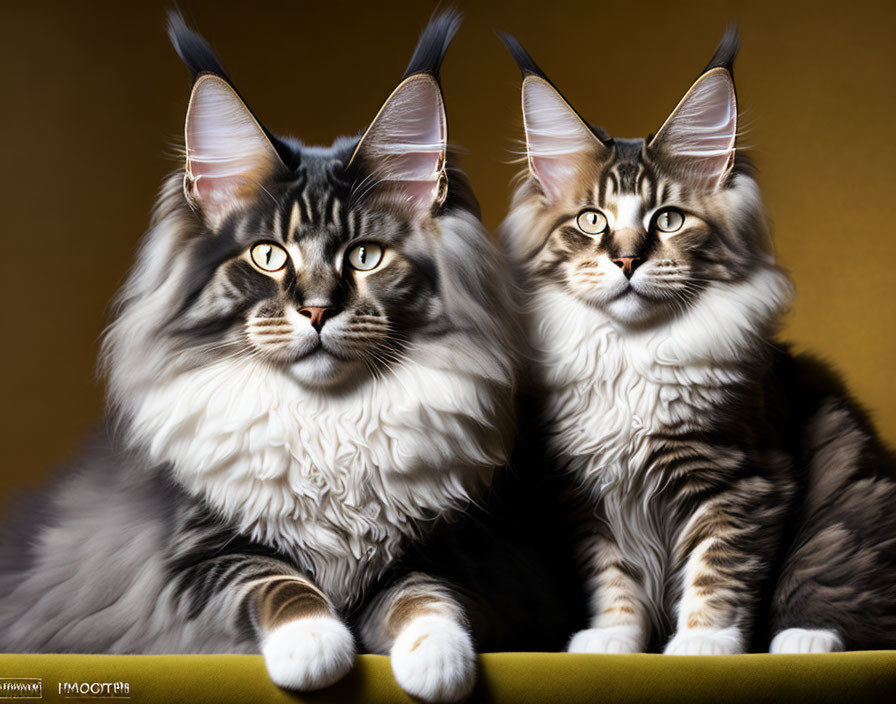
column 72, row 584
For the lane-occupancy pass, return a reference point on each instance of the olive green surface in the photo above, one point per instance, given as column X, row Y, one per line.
column 505, row 677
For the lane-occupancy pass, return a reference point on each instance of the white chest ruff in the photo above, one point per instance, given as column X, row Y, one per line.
column 339, row 483
column 610, row 391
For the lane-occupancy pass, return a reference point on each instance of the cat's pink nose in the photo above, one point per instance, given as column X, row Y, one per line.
column 628, row 265
column 318, row 315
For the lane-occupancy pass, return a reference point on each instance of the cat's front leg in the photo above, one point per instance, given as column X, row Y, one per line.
column 421, row 624
column 618, row 623
column 726, row 548
column 306, row 646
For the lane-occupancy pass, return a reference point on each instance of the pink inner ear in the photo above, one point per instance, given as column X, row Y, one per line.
column 702, row 130
column 556, row 138
column 226, row 148
column 406, row 143
column 418, row 175
column 554, row 173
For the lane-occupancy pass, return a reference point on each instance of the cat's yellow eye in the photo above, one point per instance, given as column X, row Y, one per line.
column 268, row 257
column 365, row 256
column 592, row 222
column 669, row 220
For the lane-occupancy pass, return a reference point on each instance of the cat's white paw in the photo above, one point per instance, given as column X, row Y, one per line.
column 806, row 640
column 309, row 653
column 433, row 659
column 706, row 641
column 610, row 639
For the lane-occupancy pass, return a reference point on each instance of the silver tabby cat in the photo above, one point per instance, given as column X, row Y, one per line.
column 309, row 365
column 732, row 496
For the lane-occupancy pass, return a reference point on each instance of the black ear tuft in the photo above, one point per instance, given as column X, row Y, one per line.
column 726, row 51
column 527, row 65
column 192, row 48
column 434, row 43
column 197, row 54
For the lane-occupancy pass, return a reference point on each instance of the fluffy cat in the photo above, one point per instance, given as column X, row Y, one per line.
column 732, row 496
column 309, row 367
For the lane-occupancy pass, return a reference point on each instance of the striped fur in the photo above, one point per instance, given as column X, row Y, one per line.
column 422, row 623
column 277, row 439
column 692, row 443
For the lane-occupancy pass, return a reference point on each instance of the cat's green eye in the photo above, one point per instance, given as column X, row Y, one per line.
column 365, row 256
column 268, row 257
column 592, row 222
column 669, row 220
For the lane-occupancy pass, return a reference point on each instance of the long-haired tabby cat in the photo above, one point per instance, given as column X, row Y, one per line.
column 309, row 365
column 733, row 496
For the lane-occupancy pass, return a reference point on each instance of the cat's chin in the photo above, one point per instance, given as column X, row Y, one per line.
column 635, row 310
column 322, row 370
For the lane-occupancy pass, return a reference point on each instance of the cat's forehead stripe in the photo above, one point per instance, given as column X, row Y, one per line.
column 627, row 178
column 315, row 207
column 306, row 201
column 606, row 186
column 647, row 187
column 336, row 210
column 295, row 221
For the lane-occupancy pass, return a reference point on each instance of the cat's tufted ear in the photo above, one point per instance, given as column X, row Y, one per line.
column 402, row 154
column 559, row 143
column 698, row 138
column 228, row 153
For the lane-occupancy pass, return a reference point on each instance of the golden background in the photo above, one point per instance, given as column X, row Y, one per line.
column 93, row 98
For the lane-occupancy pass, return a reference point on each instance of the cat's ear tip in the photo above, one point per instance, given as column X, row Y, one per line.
column 726, row 51
column 207, row 81
column 433, row 43
column 193, row 49
column 175, row 17
column 505, row 37
column 523, row 59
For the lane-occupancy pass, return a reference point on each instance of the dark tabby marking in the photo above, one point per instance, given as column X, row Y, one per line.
column 725, row 499
column 839, row 570
column 311, row 371
column 280, row 599
column 413, row 596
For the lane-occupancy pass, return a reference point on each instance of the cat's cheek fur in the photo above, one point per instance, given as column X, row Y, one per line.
column 626, row 638
column 707, row 641
column 309, row 653
column 806, row 640
column 433, row 659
